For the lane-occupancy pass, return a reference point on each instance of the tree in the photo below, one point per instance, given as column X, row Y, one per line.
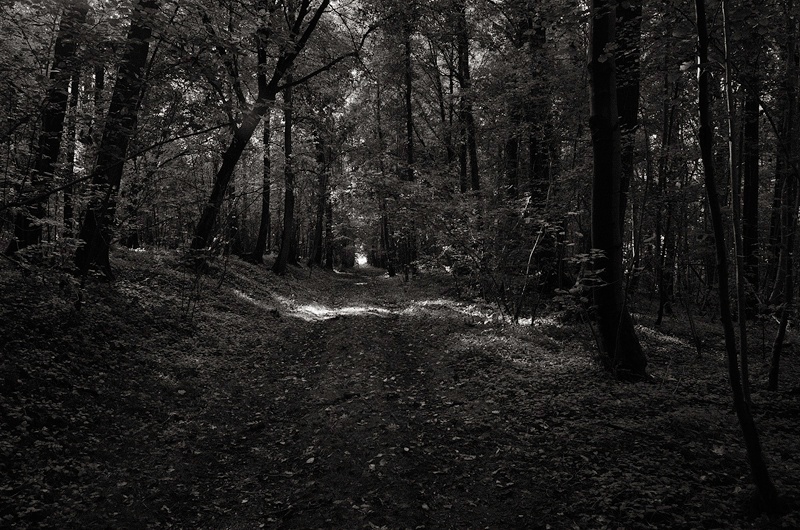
column 629, row 15
column 324, row 156
column 28, row 223
column 468, row 146
column 620, row 346
column 265, row 226
column 285, row 252
column 767, row 493
column 297, row 40
column 96, row 231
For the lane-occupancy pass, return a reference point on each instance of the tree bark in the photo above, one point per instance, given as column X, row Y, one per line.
column 751, row 184
column 28, row 224
column 69, row 165
column 465, row 80
column 629, row 15
column 786, row 196
column 766, row 489
column 97, row 229
column 736, row 200
column 323, row 168
column 621, row 349
column 264, row 227
column 408, row 28
column 285, row 254
column 328, row 233
column 511, row 160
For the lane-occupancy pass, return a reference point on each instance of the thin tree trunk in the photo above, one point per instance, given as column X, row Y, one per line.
column 664, row 236
column 788, row 277
column 408, row 171
column 328, row 233
column 69, row 166
column 263, row 240
column 447, row 132
column 629, row 15
column 512, row 164
column 766, row 489
column 323, row 162
column 467, row 118
column 285, row 254
column 120, row 124
column 750, row 204
column 621, row 349
column 736, row 186
column 386, row 236
column 787, row 195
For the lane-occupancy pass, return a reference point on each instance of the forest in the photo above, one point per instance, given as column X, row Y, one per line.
column 399, row 264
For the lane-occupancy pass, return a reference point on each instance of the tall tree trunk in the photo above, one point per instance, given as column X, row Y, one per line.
column 120, row 124
column 241, row 137
column 629, row 15
column 790, row 220
column 751, row 184
column 463, row 168
column 537, row 114
column 442, row 100
column 665, row 249
column 736, row 200
column 69, row 166
column 766, row 489
column 264, row 227
column 28, row 224
column 323, row 163
column 408, row 29
column 386, row 236
column 511, row 159
column 328, row 233
column 787, row 196
column 465, row 79
column 621, row 349
column 285, row 254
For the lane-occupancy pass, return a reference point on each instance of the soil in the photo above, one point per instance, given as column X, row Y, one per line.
column 320, row 399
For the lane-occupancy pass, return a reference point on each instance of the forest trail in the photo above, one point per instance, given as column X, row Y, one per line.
column 350, row 400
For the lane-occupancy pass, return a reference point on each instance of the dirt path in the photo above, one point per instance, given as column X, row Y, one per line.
column 354, row 401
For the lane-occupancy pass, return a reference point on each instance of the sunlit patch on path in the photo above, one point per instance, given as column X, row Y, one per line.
column 321, row 312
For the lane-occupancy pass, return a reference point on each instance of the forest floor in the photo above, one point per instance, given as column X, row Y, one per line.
column 319, row 399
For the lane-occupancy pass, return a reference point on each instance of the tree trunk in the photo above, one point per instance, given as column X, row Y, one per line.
column 285, row 254
column 120, row 124
column 766, row 489
column 464, row 77
column 323, row 163
column 69, row 166
column 788, row 285
column 621, row 349
column 408, row 171
column 264, row 227
column 736, row 200
column 28, row 224
column 787, row 197
column 629, row 15
column 328, row 233
column 389, row 248
column 751, row 184
column 512, row 164
column 665, row 255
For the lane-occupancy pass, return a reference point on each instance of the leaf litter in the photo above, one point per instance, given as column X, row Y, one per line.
column 354, row 400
